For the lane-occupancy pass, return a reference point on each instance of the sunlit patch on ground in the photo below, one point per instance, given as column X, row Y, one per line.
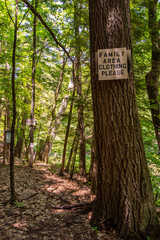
column 34, row 215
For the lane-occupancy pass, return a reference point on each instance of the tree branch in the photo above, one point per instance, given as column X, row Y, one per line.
column 23, row 18
column 74, row 206
column 47, row 27
column 8, row 12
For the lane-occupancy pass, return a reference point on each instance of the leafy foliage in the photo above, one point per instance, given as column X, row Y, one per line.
column 59, row 16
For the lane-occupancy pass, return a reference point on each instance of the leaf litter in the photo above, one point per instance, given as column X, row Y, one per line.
column 46, row 206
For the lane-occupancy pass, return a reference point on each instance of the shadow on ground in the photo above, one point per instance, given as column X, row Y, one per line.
column 34, row 215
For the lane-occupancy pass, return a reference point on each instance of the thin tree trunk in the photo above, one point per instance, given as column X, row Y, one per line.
column 0, row 100
column 82, row 145
column 70, row 155
column 12, row 185
column 7, row 119
column 55, row 127
column 46, row 150
column 19, row 146
column 4, row 146
column 24, row 152
column 67, row 134
column 74, row 157
column 33, row 89
column 39, row 153
column 82, row 142
column 152, row 78
column 22, row 139
column 49, row 139
column 71, row 151
column 124, row 199
column 93, row 167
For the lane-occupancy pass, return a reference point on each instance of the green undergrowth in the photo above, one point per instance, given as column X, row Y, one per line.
column 55, row 163
column 19, row 204
column 153, row 156
column 155, row 179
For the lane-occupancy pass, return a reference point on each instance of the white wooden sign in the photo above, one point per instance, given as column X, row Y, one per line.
column 30, row 121
column 112, row 64
column 31, row 145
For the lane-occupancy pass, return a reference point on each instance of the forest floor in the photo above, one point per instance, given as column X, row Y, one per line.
column 34, row 215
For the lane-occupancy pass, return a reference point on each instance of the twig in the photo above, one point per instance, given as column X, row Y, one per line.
column 73, row 206
column 33, row 195
column 23, row 18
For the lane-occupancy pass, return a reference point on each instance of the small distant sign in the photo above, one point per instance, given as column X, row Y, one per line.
column 8, row 136
column 30, row 121
column 112, row 64
column 31, row 145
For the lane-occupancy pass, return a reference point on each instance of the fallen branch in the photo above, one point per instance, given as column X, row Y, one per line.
column 73, row 206
column 33, row 195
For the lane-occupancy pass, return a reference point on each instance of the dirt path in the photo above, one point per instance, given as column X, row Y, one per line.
column 34, row 216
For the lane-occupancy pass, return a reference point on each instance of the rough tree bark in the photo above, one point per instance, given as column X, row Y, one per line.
column 124, row 198
column 152, row 78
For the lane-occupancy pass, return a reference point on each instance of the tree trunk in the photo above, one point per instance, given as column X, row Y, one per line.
column 4, row 141
column 82, row 144
column 19, row 146
column 72, row 149
column 74, row 156
column 152, row 78
column 67, row 135
column 70, row 155
column 12, row 186
column 93, row 167
column 39, row 153
column 124, row 198
column 0, row 104
column 8, row 125
column 54, row 125
column 46, row 150
column 22, row 139
column 33, row 89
